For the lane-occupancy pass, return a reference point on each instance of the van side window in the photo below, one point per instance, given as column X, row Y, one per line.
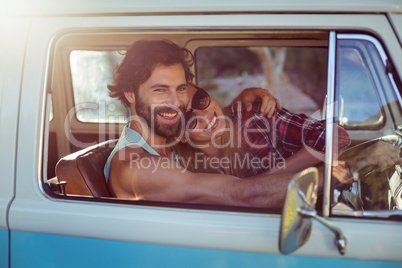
column 360, row 104
column 368, row 104
column 91, row 71
column 297, row 76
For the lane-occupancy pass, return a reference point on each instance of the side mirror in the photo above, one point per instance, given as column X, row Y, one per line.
column 301, row 194
column 299, row 211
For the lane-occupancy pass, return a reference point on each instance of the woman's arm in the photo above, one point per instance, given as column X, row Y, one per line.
column 268, row 102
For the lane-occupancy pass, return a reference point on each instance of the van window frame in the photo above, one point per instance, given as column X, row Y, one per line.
column 339, row 211
column 330, row 112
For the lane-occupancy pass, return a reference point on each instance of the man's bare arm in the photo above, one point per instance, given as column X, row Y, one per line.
column 171, row 183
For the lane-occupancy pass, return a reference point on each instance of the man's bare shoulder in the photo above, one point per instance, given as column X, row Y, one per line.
column 125, row 172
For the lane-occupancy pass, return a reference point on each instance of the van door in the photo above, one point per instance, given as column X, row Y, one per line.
column 13, row 34
column 49, row 230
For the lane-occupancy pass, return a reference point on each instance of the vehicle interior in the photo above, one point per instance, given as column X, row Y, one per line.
column 85, row 123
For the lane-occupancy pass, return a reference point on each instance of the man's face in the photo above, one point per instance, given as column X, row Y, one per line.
column 161, row 97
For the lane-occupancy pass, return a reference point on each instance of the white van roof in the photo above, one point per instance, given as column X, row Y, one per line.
column 108, row 7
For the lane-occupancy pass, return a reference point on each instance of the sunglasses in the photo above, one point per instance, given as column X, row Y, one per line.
column 201, row 100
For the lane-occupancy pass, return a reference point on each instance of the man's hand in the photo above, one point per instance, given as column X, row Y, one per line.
column 341, row 171
column 381, row 154
column 249, row 95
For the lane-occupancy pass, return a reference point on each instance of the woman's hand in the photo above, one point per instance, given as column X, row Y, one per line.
column 268, row 102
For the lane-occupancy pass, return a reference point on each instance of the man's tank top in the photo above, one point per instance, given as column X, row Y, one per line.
column 127, row 137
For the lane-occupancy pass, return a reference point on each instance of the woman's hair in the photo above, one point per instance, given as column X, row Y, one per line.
column 235, row 152
column 141, row 59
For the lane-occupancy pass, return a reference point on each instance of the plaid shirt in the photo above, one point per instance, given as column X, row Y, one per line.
column 272, row 140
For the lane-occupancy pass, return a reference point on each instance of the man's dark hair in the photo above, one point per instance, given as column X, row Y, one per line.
column 140, row 61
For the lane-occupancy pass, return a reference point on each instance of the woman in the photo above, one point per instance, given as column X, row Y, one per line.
column 239, row 141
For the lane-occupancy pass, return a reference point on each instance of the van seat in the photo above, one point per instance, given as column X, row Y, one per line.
column 83, row 170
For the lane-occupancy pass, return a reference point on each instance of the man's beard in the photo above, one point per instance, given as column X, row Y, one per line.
column 164, row 130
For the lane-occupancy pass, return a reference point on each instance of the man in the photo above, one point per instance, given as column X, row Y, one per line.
column 152, row 81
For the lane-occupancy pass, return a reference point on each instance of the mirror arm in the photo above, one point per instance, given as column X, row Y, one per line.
column 308, row 213
column 340, row 240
